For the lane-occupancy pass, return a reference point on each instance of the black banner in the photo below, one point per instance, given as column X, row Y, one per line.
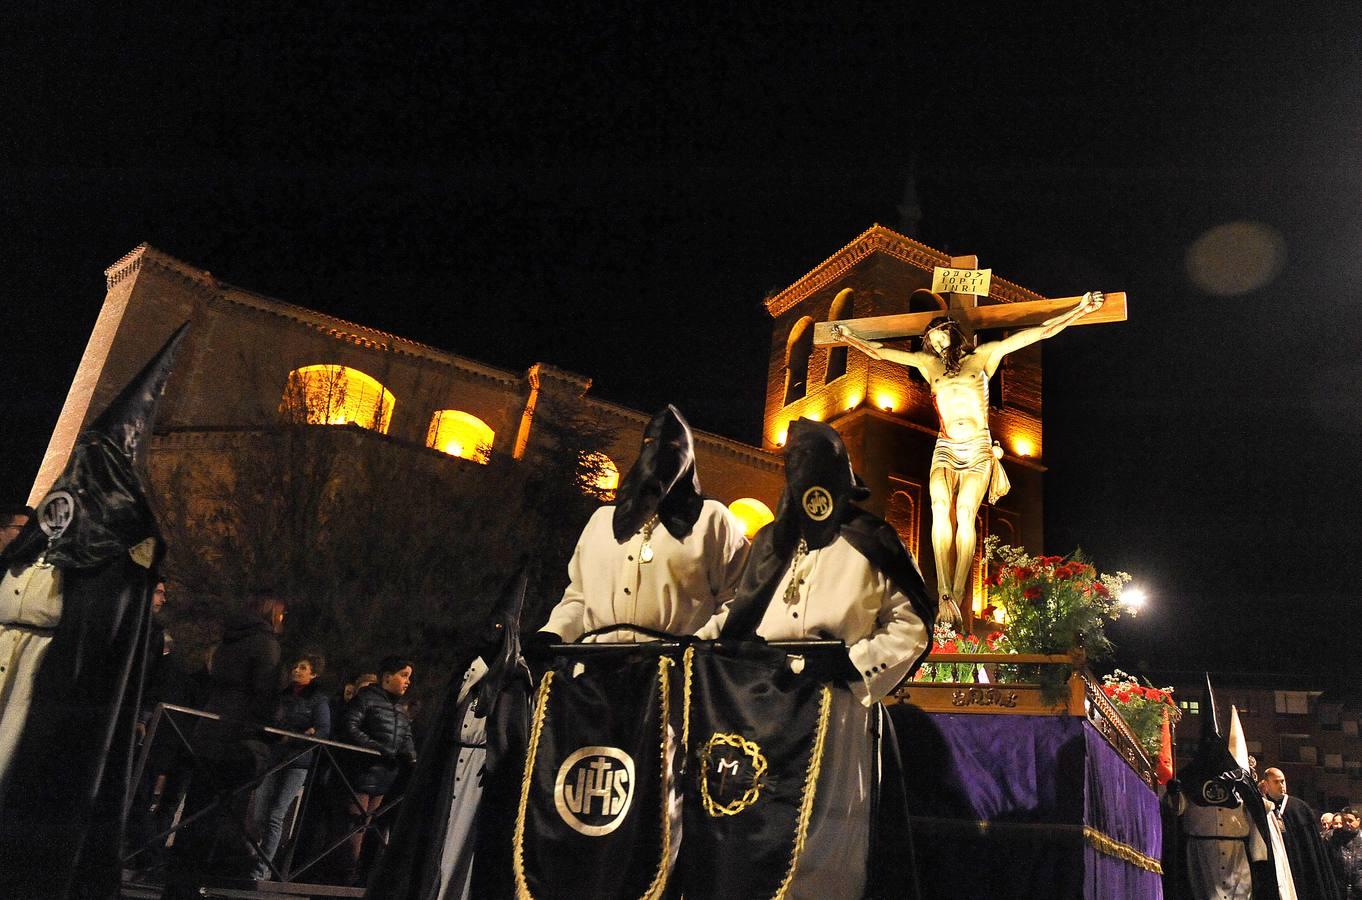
column 593, row 818
column 754, row 733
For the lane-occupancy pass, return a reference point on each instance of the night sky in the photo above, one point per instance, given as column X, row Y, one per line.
column 616, row 197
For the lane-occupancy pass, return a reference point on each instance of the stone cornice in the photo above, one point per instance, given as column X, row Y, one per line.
column 878, row 239
column 728, row 446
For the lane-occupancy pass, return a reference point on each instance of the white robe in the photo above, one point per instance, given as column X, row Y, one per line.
column 686, row 582
column 456, row 858
column 840, row 595
column 1217, row 855
column 30, row 608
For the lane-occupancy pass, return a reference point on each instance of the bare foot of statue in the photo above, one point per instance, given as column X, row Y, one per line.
column 948, row 612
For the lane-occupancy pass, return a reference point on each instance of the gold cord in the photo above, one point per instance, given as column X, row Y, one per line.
column 659, row 885
column 541, row 706
column 810, row 789
column 792, row 589
column 688, row 670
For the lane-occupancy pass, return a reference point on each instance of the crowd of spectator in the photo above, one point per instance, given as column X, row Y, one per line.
column 1342, row 835
column 240, row 831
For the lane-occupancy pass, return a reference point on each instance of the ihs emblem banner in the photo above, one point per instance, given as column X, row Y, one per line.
column 593, row 818
column 754, row 733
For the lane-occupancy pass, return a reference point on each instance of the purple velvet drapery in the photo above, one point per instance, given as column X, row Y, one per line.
column 999, row 804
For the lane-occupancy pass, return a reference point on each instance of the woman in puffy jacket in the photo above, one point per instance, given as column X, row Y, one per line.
column 306, row 710
column 374, row 721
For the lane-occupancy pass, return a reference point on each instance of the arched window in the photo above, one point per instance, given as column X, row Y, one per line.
column 600, row 476
column 337, row 395
column 460, row 434
column 797, row 351
column 843, row 307
column 751, row 513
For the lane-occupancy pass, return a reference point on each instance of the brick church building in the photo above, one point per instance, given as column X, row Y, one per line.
column 250, row 357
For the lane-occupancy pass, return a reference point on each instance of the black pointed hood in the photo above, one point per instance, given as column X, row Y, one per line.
column 97, row 508
column 663, row 480
column 1213, row 777
column 501, row 647
column 820, row 485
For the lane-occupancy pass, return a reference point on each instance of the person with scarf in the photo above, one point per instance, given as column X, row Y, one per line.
column 662, row 557
column 827, row 569
column 75, row 624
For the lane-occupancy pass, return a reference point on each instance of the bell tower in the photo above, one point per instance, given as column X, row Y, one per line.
column 883, row 410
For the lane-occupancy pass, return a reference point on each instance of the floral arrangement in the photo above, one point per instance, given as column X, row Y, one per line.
column 946, row 640
column 1143, row 706
column 1051, row 605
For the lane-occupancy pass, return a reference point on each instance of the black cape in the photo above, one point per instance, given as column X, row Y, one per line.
column 62, row 813
column 1310, row 867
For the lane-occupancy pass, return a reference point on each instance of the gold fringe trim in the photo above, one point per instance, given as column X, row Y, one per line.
column 1124, row 852
column 659, row 885
column 810, row 789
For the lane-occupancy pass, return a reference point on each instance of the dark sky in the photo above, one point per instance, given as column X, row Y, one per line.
column 616, row 196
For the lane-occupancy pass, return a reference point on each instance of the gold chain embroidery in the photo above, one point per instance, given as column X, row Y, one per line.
column 1112, row 847
column 810, row 789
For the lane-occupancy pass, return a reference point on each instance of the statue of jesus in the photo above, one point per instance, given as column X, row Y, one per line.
column 965, row 462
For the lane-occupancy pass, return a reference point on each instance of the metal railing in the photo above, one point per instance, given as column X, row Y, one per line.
column 174, row 720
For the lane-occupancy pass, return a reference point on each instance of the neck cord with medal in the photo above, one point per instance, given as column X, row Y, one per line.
column 646, row 553
column 792, row 589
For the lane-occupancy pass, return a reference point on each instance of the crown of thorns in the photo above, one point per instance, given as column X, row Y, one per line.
column 943, row 322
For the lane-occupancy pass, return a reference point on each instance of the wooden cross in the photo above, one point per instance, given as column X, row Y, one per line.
column 964, row 309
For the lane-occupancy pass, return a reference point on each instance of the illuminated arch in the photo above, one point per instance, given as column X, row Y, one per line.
column 337, row 395
column 600, row 476
column 843, row 307
column 751, row 513
column 460, row 434
column 798, row 349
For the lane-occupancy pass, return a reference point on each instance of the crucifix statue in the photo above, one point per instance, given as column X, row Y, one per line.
column 965, row 462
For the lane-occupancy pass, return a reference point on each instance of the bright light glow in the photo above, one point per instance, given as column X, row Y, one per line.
column 751, row 513
column 1024, row 447
column 854, row 401
column 337, row 395
column 607, row 475
column 886, row 401
column 780, row 437
column 814, row 416
column 1134, row 599
column 460, row 434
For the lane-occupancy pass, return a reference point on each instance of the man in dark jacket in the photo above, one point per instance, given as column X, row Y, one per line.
column 241, row 689
column 1345, row 852
column 306, row 710
column 374, row 721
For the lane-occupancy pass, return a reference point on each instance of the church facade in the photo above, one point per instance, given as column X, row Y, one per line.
column 251, row 358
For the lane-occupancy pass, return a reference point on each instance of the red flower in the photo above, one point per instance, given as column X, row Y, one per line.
column 1032, row 593
column 1123, row 696
column 1100, row 588
column 1109, row 689
column 988, row 612
column 994, row 637
column 949, row 647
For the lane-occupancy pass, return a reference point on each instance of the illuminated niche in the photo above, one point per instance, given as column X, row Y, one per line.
column 751, row 513
column 601, row 476
column 337, row 395
column 460, row 434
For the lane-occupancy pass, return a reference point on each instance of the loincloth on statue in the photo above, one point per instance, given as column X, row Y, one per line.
column 971, row 455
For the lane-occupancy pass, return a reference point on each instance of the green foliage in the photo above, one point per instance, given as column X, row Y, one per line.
column 1052, row 605
column 945, row 640
column 380, row 547
column 1143, row 706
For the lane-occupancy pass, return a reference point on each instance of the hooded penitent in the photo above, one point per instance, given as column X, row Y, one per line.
column 453, row 837
column 663, row 481
column 94, row 541
column 816, row 507
column 1223, row 846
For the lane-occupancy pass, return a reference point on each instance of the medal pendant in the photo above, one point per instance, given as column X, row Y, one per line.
column 646, row 554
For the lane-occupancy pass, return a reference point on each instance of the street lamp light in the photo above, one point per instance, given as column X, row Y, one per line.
column 1134, row 599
